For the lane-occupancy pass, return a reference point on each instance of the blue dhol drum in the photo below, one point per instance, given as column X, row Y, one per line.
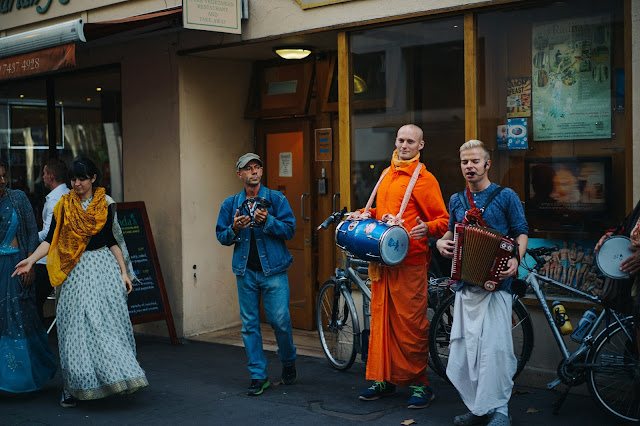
column 373, row 240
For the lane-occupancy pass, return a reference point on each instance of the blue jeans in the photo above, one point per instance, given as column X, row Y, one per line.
column 275, row 299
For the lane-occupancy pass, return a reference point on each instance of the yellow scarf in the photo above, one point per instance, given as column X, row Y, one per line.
column 403, row 163
column 74, row 227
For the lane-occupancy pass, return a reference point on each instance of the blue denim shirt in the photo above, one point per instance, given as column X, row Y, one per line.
column 270, row 238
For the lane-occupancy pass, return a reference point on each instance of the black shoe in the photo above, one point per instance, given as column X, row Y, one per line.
column 66, row 400
column 258, row 386
column 376, row 390
column 421, row 397
column 289, row 375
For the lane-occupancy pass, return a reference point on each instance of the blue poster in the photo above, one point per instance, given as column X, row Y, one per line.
column 517, row 133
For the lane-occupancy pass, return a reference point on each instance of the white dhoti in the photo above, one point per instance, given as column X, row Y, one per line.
column 481, row 359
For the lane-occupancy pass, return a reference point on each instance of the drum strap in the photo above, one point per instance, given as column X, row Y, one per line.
column 397, row 219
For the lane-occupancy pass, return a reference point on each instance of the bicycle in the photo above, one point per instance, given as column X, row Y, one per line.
column 337, row 318
column 607, row 361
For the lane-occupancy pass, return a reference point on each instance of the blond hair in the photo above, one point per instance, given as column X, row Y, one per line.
column 475, row 143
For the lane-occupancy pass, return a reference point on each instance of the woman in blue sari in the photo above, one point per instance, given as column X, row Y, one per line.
column 26, row 360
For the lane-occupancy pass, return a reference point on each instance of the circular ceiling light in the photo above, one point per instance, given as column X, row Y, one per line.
column 292, row 52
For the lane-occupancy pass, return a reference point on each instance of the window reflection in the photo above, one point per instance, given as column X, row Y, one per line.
column 88, row 122
column 414, row 73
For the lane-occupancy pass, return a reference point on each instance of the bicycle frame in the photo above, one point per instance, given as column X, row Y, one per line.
column 344, row 277
column 533, row 279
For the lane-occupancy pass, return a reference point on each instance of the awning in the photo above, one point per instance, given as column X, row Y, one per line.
column 40, row 61
column 63, row 56
column 158, row 20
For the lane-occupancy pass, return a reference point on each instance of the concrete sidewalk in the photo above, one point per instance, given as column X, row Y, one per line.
column 205, row 383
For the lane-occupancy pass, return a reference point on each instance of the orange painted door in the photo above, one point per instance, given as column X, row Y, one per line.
column 284, row 144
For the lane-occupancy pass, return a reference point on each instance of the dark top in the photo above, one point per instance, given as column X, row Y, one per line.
column 630, row 221
column 103, row 238
column 253, row 261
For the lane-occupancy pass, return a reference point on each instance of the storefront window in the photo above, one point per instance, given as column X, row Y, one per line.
column 551, row 108
column 88, row 122
column 412, row 73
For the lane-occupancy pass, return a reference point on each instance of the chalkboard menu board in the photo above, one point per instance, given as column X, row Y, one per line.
column 148, row 300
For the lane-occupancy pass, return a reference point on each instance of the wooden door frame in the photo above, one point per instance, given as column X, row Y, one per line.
column 304, row 125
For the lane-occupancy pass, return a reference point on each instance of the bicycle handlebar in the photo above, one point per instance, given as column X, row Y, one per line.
column 335, row 217
column 538, row 252
column 541, row 251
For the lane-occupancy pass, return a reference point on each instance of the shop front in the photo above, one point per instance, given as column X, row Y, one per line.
column 546, row 85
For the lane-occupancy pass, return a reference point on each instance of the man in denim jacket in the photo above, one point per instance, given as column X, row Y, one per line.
column 258, row 230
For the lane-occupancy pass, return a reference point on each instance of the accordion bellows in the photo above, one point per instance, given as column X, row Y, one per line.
column 480, row 255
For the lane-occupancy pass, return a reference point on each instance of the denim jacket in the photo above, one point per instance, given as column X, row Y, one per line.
column 270, row 238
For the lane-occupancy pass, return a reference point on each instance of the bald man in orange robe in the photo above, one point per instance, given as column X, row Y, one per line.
column 398, row 345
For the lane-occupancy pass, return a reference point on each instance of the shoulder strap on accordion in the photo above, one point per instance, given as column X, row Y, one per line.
column 472, row 213
column 463, row 200
column 493, row 195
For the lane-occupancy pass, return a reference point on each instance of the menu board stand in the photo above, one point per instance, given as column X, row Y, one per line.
column 148, row 300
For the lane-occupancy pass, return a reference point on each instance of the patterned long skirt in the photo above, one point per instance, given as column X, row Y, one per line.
column 95, row 336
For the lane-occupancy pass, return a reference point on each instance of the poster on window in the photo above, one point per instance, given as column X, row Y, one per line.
column 571, row 73
column 517, row 136
column 519, row 97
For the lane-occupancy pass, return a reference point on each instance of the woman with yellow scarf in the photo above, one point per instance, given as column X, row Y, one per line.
column 87, row 255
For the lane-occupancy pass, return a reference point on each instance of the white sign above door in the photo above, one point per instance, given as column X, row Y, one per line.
column 213, row 15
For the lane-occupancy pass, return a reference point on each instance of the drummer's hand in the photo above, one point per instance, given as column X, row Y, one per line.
column 358, row 215
column 631, row 264
column 445, row 247
column 601, row 241
column 512, row 269
column 260, row 216
column 420, row 230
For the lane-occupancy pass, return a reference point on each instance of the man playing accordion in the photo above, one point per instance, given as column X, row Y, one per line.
column 481, row 359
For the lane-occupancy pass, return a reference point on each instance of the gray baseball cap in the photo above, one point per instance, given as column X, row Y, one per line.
column 244, row 160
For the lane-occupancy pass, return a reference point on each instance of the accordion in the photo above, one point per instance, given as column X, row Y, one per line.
column 480, row 255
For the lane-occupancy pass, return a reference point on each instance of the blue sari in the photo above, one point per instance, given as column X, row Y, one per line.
column 26, row 360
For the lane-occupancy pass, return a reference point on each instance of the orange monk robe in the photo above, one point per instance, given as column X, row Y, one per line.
column 398, row 345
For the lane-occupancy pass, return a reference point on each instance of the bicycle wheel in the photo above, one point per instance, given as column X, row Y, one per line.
column 612, row 377
column 438, row 291
column 337, row 325
column 521, row 334
column 440, row 334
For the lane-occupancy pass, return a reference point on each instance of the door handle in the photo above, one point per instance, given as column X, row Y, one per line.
column 335, row 196
column 302, row 197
